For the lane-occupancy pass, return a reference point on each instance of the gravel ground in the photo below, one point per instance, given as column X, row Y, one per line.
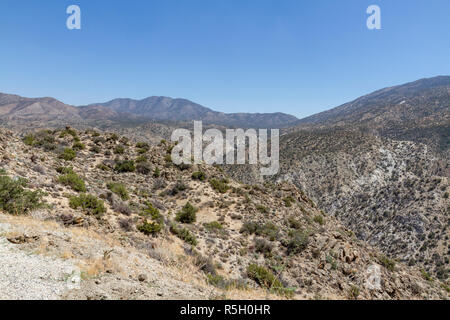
column 26, row 276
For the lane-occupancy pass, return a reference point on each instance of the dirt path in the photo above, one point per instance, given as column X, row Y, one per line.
column 28, row 276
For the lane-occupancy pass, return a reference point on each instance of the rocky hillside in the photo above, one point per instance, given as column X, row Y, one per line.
column 417, row 111
column 380, row 164
column 393, row 194
column 105, row 217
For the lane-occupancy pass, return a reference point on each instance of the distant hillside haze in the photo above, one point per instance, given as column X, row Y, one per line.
column 16, row 108
column 164, row 108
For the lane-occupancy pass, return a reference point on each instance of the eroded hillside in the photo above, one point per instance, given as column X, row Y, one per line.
column 394, row 194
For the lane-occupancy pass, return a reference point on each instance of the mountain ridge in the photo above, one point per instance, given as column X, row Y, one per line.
column 156, row 108
column 179, row 109
column 407, row 90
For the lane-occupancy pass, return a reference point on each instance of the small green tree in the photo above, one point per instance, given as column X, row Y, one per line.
column 187, row 214
column 125, row 166
column 119, row 189
column 89, row 204
column 15, row 199
column 150, row 228
column 68, row 154
column 72, row 180
column 199, row 175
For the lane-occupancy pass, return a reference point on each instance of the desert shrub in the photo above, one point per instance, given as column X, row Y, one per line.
column 72, row 180
column 121, row 207
column 124, row 141
column 294, row 223
column 119, row 189
column 168, row 158
column 216, row 280
column 199, row 175
column 220, row 186
column 113, row 137
column 48, row 146
column 221, row 282
column 288, row 201
column 78, row 146
column 263, row 246
column 45, row 139
column 156, row 173
column 177, row 188
column 143, row 145
column 99, row 140
column 103, row 167
column 269, row 230
column 266, row 279
column 126, row 224
column 88, row 203
column 331, row 260
column 183, row 166
column 386, row 262
column 93, row 133
column 353, row 292
column 159, row 184
column 205, row 264
column 250, row 227
column 213, row 226
column 261, row 208
column 426, row 275
column 39, row 169
column 141, row 159
column 65, row 170
column 442, row 272
column 29, row 139
column 68, row 131
column 95, row 149
column 143, row 168
column 150, row 228
column 187, row 214
column 184, row 234
column 125, row 166
column 15, row 199
column 119, row 150
column 319, row 219
column 151, row 211
column 298, row 241
column 67, row 154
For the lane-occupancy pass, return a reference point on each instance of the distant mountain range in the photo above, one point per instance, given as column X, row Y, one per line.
column 16, row 108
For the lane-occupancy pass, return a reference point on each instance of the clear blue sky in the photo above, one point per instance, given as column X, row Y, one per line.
column 298, row 57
